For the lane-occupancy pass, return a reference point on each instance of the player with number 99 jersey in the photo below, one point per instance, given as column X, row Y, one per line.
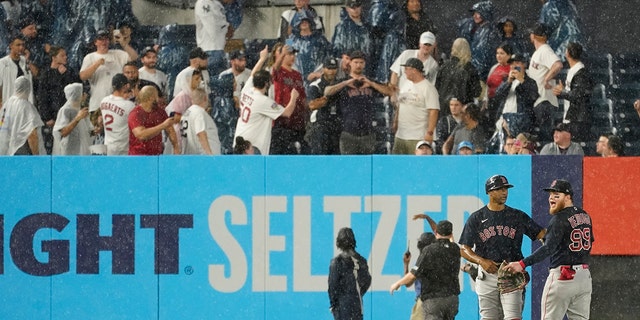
column 257, row 112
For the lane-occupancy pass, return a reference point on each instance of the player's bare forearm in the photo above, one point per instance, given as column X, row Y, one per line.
column 432, row 223
column 488, row 265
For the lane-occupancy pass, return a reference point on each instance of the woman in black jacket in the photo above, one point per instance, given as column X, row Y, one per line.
column 349, row 278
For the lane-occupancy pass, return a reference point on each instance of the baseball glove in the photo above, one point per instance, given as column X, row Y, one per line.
column 509, row 282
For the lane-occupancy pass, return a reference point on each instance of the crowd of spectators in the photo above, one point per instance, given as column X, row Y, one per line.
column 499, row 91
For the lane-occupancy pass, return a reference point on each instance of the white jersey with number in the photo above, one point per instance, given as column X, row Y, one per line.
column 257, row 113
column 115, row 114
column 196, row 120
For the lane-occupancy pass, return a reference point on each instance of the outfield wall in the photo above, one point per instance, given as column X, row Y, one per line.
column 243, row 237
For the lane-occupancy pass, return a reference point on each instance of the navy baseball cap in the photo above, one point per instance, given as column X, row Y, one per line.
column 147, row 50
column 517, row 57
column 357, row 54
column 102, row 34
column 560, row 185
column 236, row 54
column 495, row 182
column 330, row 63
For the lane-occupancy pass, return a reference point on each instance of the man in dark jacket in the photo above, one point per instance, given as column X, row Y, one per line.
column 516, row 96
column 349, row 278
column 576, row 94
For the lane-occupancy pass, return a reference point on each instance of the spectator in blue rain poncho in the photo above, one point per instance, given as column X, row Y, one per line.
column 225, row 111
column 508, row 28
column 312, row 46
column 352, row 32
column 173, row 55
column 480, row 32
column 391, row 45
column 563, row 23
column 387, row 20
column 286, row 26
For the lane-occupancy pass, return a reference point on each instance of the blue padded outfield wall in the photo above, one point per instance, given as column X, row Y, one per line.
column 233, row 237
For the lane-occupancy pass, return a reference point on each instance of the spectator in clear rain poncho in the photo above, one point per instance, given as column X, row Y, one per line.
column 72, row 131
column 563, row 23
column 20, row 123
column 173, row 55
column 480, row 32
column 312, row 46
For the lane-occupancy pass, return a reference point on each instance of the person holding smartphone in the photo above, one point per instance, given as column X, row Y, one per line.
column 515, row 98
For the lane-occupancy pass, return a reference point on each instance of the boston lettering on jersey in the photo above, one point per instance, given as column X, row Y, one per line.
column 89, row 243
column 492, row 231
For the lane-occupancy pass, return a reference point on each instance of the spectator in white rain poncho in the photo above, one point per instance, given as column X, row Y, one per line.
column 20, row 123
column 72, row 131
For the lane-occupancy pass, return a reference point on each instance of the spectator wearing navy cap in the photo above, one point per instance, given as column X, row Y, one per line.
column 149, row 58
column 241, row 74
column 562, row 144
column 325, row 121
column 418, row 107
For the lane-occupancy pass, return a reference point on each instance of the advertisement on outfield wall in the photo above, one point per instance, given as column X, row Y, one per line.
column 226, row 237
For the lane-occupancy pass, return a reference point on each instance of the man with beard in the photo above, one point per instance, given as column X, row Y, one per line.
column 130, row 70
column 149, row 58
column 239, row 70
column 568, row 243
column 491, row 235
column 146, row 123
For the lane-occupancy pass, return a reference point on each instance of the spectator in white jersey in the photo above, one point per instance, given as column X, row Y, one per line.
column 149, row 58
column 115, row 109
column 257, row 110
column 199, row 132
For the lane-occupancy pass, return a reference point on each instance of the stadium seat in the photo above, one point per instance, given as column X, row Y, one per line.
column 628, row 61
column 627, row 125
column 595, row 61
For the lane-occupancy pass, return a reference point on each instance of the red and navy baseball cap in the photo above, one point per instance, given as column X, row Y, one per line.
column 560, row 185
column 497, row 181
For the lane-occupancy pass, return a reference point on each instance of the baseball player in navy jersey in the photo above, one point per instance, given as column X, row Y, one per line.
column 491, row 235
column 568, row 242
